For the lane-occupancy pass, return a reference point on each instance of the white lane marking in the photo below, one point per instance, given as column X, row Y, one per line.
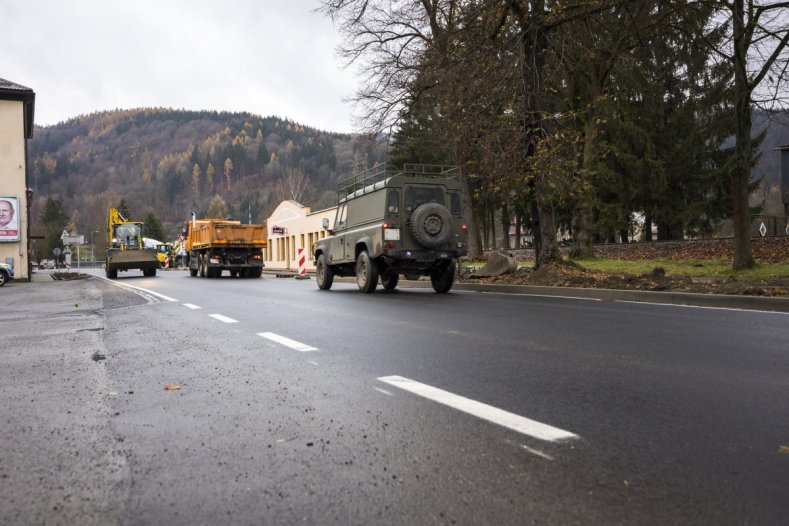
column 537, row 452
column 313, row 363
column 734, row 309
column 287, row 342
column 223, row 318
column 486, row 412
column 493, row 292
column 127, row 286
column 191, row 306
column 384, row 391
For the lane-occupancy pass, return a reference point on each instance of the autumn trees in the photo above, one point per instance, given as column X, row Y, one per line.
column 572, row 115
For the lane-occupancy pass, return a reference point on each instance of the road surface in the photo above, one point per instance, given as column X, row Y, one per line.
column 294, row 405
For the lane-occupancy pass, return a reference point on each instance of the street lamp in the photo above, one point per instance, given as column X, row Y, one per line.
column 92, row 248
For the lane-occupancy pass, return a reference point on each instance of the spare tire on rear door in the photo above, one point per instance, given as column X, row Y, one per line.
column 431, row 225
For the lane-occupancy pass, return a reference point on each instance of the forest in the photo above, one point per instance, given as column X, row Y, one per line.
column 591, row 121
column 160, row 165
column 579, row 115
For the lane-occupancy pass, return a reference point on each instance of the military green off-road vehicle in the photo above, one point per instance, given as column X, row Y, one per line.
column 408, row 222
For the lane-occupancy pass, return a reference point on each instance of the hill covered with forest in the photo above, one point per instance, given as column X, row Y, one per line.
column 173, row 162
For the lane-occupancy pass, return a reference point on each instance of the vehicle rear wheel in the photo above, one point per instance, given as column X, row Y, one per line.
column 366, row 272
column 255, row 272
column 201, row 262
column 324, row 274
column 443, row 278
column 3, row 278
column 112, row 274
column 233, row 273
column 389, row 280
column 193, row 271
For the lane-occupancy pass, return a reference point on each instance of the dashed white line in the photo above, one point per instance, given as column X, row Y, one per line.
column 486, row 412
column 221, row 318
column 313, row 363
column 191, row 306
column 287, row 342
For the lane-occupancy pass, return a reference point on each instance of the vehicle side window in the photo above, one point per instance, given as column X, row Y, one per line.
column 454, row 204
column 342, row 213
column 393, row 202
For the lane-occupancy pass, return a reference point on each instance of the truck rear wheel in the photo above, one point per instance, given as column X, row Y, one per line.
column 324, row 274
column 201, row 264
column 366, row 272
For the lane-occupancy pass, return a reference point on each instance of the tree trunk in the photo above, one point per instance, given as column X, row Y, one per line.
column 584, row 210
column 534, row 42
column 741, row 173
column 505, row 226
column 470, row 215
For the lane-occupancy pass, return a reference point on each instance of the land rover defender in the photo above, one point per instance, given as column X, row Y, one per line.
column 391, row 223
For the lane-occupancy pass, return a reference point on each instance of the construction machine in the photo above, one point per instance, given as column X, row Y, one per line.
column 125, row 249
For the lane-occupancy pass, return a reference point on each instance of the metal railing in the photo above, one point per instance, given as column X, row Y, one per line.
column 369, row 180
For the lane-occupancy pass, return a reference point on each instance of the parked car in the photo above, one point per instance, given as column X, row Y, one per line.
column 6, row 273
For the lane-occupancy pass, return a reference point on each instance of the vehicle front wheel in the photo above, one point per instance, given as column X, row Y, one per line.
column 324, row 274
column 389, row 280
column 366, row 272
column 443, row 278
column 112, row 274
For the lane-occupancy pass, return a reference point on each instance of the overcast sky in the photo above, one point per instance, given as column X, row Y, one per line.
column 267, row 57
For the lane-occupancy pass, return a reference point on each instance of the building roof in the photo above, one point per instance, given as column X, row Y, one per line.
column 12, row 91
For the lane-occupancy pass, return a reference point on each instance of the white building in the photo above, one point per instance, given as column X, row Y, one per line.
column 292, row 228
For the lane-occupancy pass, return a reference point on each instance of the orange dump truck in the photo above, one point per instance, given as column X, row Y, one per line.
column 214, row 245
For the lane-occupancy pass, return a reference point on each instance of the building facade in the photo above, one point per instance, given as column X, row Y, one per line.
column 17, row 104
column 292, row 228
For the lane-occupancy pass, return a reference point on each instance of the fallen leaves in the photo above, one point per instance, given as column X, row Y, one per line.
column 172, row 387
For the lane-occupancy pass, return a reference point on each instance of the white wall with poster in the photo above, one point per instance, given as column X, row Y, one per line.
column 9, row 218
column 16, row 126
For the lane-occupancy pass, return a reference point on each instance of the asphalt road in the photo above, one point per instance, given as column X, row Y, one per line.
column 302, row 406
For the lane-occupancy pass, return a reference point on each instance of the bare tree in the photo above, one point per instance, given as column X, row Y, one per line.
column 757, row 51
column 292, row 185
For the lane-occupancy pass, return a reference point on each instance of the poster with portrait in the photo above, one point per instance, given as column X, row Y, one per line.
column 9, row 219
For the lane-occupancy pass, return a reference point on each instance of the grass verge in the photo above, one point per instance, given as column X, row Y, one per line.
column 702, row 268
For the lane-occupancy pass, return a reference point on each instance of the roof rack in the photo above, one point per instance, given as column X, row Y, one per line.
column 375, row 177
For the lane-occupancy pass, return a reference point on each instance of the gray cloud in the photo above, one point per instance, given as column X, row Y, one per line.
column 269, row 57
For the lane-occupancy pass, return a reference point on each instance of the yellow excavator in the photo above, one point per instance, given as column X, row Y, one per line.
column 125, row 248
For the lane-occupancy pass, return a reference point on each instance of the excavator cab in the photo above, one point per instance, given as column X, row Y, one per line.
column 127, row 236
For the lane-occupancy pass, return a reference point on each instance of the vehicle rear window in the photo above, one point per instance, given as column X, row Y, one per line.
column 416, row 196
column 393, row 202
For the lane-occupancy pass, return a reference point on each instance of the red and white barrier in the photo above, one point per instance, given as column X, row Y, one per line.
column 302, row 262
